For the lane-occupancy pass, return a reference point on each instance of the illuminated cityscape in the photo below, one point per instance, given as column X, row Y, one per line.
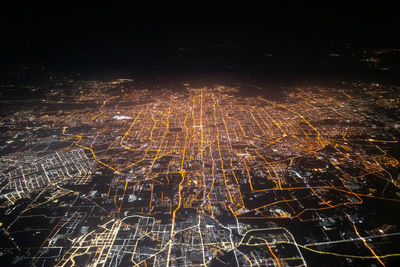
column 199, row 134
column 200, row 176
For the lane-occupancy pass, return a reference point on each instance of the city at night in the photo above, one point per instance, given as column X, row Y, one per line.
column 241, row 133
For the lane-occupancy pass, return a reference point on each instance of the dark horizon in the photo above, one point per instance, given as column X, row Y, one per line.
column 151, row 33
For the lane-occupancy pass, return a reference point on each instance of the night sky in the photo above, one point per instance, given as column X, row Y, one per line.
column 148, row 33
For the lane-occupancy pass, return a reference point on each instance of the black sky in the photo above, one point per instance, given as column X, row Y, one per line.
column 54, row 32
